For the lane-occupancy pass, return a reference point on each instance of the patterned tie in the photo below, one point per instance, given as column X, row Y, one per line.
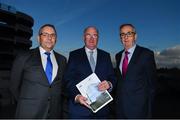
column 125, row 64
column 92, row 62
column 49, row 67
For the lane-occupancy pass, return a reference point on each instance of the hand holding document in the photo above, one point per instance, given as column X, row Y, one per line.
column 95, row 98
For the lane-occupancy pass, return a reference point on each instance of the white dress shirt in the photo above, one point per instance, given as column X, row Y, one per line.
column 131, row 51
column 94, row 54
column 53, row 60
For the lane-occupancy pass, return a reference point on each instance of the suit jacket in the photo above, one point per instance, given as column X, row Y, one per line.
column 78, row 68
column 36, row 98
column 135, row 93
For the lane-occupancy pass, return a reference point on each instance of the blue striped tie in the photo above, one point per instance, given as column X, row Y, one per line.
column 49, row 67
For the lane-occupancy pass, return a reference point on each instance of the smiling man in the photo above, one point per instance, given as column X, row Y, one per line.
column 80, row 66
column 36, row 78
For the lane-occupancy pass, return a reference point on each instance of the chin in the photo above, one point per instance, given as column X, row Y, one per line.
column 92, row 48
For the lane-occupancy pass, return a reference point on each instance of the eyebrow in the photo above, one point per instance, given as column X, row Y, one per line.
column 129, row 32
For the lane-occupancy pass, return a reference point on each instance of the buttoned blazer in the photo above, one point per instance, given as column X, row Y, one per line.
column 135, row 93
column 78, row 68
column 35, row 97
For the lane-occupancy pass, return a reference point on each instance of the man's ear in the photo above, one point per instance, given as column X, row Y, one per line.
column 83, row 37
column 38, row 39
column 135, row 36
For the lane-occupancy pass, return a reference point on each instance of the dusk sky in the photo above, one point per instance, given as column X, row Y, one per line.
column 157, row 24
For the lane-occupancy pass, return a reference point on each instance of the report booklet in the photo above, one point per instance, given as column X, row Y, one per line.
column 95, row 98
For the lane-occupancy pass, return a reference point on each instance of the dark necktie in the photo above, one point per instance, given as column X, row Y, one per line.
column 125, row 64
column 92, row 62
column 49, row 67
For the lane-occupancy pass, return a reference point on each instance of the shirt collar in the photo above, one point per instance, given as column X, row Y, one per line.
column 131, row 50
column 88, row 50
column 42, row 51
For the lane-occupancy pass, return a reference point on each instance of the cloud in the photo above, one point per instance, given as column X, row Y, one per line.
column 71, row 15
column 168, row 58
column 78, row 10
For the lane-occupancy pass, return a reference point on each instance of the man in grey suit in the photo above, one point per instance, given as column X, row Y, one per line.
column 36, row 78
column 136, row 71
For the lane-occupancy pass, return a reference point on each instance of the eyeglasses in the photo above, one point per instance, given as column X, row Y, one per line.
column 93, row 36
column 44, row 34
column 128, row 34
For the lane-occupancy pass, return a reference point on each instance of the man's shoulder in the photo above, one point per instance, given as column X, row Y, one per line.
column 103, row 51
column 26, row 53
column 33, row 51
column 77, row 51
column 59, row 55
column 119, row 53
column 145, row 50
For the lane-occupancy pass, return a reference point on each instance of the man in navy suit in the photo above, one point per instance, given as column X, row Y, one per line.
column 136, row 82
column 38, row 94
column 79, row 68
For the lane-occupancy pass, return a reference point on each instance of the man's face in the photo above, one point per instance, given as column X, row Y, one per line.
column 91, row 38
column 128, row 37
column 47, row 38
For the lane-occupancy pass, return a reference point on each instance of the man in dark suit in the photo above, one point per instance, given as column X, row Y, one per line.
column 79, row 68
column 136, row 71
column 36, row 78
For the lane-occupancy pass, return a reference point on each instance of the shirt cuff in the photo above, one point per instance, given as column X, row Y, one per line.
column 111, row 86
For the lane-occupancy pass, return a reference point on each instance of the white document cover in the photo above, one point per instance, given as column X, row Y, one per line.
column 89, row 89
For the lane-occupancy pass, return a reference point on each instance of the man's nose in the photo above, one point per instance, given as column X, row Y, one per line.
column 126, row 36
column 92, row 38
column 49, row 36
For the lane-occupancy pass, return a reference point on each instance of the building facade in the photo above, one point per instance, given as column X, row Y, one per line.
column 15, row 34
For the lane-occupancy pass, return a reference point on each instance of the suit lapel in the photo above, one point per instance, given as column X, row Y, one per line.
column 99, row 60
column 38, row 58
column 132, row 62
column 118, row 60
column 60, row 65
column 85, row 60
column 134, row 59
